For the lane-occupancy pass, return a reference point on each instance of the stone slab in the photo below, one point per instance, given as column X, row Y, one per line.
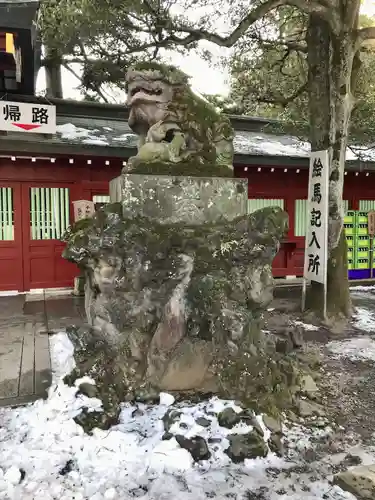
column 27, row 374
column 359, row 481
column 168, row 199
column 11, row 348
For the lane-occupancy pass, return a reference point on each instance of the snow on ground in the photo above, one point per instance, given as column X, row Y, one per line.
column 306, row 326
column 362, row 288
column 364, row 320
column 357, row 348
column 45, row 455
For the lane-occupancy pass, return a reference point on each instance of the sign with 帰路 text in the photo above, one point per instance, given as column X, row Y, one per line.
column 316, row 252
column 27, row 117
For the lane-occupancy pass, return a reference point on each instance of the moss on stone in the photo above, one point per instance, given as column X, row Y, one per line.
column 263, row 382
column 165, row 71
column 188, row 169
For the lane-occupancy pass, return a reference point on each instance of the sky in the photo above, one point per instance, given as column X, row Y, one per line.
column 204, row 78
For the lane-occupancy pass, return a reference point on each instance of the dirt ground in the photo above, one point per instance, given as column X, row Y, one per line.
column 347, row 386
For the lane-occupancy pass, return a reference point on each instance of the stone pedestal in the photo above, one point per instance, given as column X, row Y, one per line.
column 177, row 276
column 171, row 200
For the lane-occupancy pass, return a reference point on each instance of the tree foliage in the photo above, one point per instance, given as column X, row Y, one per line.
column 269, row 78
column 103, row 37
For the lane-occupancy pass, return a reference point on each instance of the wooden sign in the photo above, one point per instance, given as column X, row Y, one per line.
column 83, row 209
column 27, row 117
column 371, row 223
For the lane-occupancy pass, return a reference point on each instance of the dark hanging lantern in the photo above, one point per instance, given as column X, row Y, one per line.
column 19, row 49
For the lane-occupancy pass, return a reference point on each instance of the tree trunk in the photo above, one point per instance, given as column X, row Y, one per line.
column 52, row 66
column 330, row 61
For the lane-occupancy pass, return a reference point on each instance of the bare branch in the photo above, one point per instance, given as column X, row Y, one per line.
column 308, row 6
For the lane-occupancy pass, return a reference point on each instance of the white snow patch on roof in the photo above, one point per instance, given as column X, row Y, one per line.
column 70, row 132
column 95, row 141
column 123, row 137
column 267, row 144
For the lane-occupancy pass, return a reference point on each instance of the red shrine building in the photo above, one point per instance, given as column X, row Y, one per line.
column 55, row 152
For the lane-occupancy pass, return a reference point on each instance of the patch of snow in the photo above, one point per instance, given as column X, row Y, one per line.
column 166, row 399
column 124, row 137
column 359, row 348
column 361, row 288
column 95, row 141
column 70, row 132
column 132, row 461
column 258, row 143
column 364, row 320
column 306, row 326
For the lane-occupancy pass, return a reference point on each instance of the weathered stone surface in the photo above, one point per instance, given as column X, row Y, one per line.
column 175, row 299
column 273, row 424
column 308, row 385
column 175, row 200
column 196, row 446
column 243, row 446
column 203, row 422
column 360, row 481
column 276, row 445
column 170, row 418
column 309, row 409
column 88, row 390
column 228, row 418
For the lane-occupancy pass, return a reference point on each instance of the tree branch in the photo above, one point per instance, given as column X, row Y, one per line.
column 366, row 34
column 281, row 100
column 308, row 6
column 95, row 88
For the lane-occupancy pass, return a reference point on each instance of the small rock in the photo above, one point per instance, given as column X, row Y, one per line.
column 68, row 467
column 284, row 346
column 213, row 440
column 203, row 422
column 292, row 417
column 273, row 424
column 243, row 446
column 276, row 445
column 196, row 446
column 308, row 409
column 170, row 418
column 308, row 385
column 13, row 475
column 352, row 460
column 89, row 390
column 228, row 418
column 166, row 399
column 359, row 481
column 296, row 336
column 257, row 427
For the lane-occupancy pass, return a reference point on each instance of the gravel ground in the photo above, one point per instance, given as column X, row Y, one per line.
column 347, row 384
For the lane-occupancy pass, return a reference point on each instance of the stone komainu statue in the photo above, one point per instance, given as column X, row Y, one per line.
column 174, row 124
